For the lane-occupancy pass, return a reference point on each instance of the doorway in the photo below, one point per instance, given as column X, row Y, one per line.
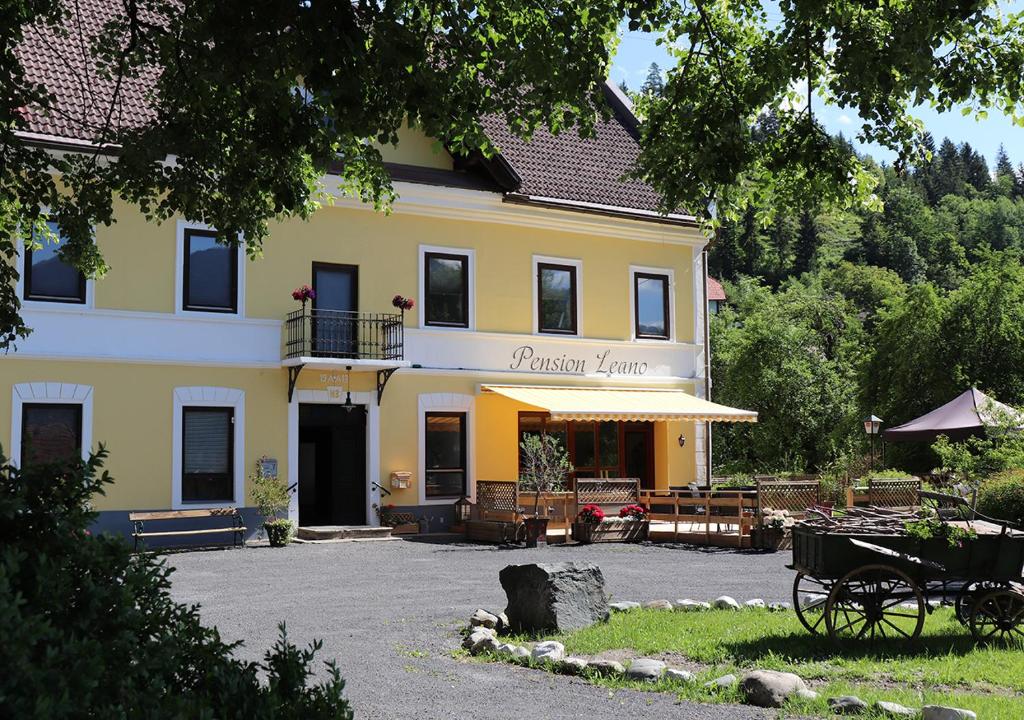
column 335, row 310
column 638, row 452
column 332, row 465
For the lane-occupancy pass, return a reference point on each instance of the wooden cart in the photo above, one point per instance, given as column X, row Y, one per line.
column 878, row 586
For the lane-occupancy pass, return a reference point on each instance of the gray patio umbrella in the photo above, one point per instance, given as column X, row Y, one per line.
column 968, row 414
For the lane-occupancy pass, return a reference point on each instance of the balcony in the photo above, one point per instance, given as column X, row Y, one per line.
column 337, row 339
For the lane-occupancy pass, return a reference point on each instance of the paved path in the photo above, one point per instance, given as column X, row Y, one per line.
column 389, row 613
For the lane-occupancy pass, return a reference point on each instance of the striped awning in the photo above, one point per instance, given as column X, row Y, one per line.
column 584, row 403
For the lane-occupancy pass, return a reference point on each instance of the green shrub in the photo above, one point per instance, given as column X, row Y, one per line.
column 90, row 630
column 1002, row 496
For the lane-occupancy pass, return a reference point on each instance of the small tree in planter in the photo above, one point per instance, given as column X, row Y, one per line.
column 270, row 495
column 544, row 468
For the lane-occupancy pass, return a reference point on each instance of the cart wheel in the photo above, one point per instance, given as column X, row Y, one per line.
column 969, row 594
column 998, row 615
column 809, row 598
column 875, row 601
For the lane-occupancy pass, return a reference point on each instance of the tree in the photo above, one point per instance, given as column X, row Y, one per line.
column 90, row 629
column 653, row 84
column 949, row 171
column 807, row 243
column 1005, row 176
column 976, row 172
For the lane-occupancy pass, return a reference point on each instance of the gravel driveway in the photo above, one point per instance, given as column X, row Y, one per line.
column 390, row 612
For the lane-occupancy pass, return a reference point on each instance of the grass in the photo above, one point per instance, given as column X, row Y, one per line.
column 943, row 667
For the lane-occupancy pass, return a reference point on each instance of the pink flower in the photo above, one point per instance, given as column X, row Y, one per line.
column 402, row 303
column 303, row 293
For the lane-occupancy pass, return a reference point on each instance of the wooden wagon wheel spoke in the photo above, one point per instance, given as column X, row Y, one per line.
column 868, row 599
column 811, row 614
column 998, row 613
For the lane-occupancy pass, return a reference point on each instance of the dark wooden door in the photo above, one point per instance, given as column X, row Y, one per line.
column 638, row 453
column 332, row 465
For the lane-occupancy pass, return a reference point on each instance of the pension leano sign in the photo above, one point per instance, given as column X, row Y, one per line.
column 603, row 361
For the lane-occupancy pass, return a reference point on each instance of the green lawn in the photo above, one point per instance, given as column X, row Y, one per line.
column 943, row 667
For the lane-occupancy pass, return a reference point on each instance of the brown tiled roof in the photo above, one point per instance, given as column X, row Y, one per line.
column 715, row 290
column 563, row 167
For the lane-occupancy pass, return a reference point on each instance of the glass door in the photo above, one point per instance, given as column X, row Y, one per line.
column 334, row 322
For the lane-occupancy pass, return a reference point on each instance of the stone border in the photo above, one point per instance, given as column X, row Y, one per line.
column 760, row 688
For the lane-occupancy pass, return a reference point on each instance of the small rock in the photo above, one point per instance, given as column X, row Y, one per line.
column 488, row 643
column 806, row 694
column 810, row 600
column 892, row 710
column 624, row 606
column 769, row 688
column 940, row 712
column 778, row 606
column 518, row 651
column 725, row 603
column 477, row 634
column 755, row 603
column 606, row 667
column 692, row 605
column 847, row 705
column 505, row 649
column 678, row 675
column 573, row 665
column 502, row 625
column 548, row 651
column 658, row 605
column 482, row 618
column 645, row 669
column 721, row 683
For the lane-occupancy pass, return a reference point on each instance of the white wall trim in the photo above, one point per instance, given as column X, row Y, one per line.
column 671, row 319
column 534, row 282
column 367, row 399
column 179, row 273
column 19, row 265
column 55, row 393
column 422, row 273
column 490, row 207
column 206, row 396
column 446, row 402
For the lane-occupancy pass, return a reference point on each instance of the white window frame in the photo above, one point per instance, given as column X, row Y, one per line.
column 471, row 269
column 56, row 393
column 205, row 396
column 671, row 319
column 535, row 282
column 19, row 265
column 446, row 402
column 179, row 273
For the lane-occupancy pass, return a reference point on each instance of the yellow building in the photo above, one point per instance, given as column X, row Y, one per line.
column 541, row 280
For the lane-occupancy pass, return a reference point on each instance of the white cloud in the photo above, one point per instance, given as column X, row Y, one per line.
column 845, row 119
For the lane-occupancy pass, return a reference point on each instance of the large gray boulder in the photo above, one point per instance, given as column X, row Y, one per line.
column 545, row 597
column 769, row 688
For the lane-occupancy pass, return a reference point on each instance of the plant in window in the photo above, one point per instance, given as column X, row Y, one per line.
column 303, row 293
column 544, row 467
column 403, row 303
column 633, row 512
column 590, row 514
column 271, row 497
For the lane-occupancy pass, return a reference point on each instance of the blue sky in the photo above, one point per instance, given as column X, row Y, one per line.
column 637, row 51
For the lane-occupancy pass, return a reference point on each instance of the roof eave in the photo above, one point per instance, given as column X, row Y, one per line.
column 600, row 209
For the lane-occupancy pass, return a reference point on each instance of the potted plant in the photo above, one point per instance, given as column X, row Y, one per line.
column 771, row 533
column 544, row 467
column 303, row 293
column 270, row 496
column 587, row 520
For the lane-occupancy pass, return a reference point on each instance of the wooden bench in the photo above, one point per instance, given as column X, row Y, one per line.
column 139, row 520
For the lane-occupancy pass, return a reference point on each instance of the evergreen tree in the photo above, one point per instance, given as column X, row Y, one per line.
column 624, row 88
column 924, row 171
column 949, row 171
column 653, row 84
column 807, row 242
column 975, row 168
column 1004, row 168
column 1018, row 182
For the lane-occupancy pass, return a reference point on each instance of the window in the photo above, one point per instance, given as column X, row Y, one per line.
column 556, row 299
column 210, row 282
column 50, row 279
column 50, row 433
column 651, row 305
column 445, row 454
column 446, row 289
column 207, row 454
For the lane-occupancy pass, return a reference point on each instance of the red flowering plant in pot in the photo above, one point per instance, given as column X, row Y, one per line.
column 587, row 520
column 590, row 514
column 403, row 303
column 633, row 512
column 303, row 293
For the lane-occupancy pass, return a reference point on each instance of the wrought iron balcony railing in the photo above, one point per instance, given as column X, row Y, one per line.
column 343, row 334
